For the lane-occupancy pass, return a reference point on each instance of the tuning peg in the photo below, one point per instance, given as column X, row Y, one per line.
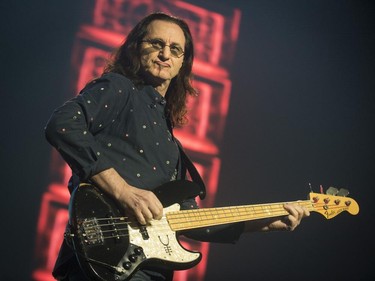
column 343, row 192
column 332, row 190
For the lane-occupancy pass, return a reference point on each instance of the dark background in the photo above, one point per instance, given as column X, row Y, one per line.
column 301, row 111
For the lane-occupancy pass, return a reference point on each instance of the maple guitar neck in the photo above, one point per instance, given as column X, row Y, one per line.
column 327, row 205
column 190, row 219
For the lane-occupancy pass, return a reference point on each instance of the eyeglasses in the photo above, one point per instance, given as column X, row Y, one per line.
column 158, row 45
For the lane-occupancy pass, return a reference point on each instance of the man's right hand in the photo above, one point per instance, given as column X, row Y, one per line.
column 143, row 204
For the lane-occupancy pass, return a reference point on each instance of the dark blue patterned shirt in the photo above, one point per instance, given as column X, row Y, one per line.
column 112, row 124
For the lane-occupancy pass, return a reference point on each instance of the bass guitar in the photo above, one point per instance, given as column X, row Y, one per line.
column 112, row 246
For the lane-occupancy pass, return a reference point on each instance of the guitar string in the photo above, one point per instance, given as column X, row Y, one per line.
column 255, row 209
column 202, row 214
column 166, row 227
column 199, row 212
column 156, row 224
column 215, row 210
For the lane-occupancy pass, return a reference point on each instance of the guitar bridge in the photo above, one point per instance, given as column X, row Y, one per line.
column 90, row 231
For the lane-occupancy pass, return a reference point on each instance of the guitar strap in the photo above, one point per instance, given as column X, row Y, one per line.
column 187, row 165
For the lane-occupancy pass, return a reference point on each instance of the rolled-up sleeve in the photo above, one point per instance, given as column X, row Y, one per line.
column 73, row 126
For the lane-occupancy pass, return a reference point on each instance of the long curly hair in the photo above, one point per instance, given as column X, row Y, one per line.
column 126, row 61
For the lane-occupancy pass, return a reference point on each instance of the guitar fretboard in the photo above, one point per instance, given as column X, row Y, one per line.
column 190, row 219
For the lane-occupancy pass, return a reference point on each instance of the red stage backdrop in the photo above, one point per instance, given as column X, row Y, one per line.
column 108, row 21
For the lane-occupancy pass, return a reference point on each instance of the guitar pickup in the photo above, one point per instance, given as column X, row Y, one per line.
column 143, row 231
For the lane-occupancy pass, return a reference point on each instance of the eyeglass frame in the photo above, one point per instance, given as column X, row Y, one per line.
column 154, row 41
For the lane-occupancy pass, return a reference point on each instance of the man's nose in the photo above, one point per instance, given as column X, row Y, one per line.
column 165, row 52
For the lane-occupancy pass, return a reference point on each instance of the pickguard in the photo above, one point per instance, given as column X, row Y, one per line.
column 162, row 243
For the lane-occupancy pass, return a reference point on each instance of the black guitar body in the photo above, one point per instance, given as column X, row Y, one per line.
column 112, row 247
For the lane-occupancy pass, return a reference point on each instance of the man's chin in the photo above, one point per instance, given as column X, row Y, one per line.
column 161, row 78
column 156, row 81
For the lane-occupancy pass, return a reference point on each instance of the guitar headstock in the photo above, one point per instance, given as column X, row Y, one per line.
column 333, row 203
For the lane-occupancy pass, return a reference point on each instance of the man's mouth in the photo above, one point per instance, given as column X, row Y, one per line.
column 162, row 64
